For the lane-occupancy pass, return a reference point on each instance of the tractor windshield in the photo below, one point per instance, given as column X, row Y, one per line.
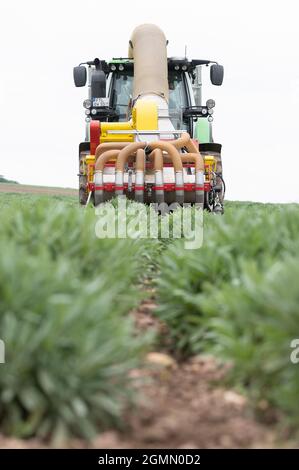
column 177, row 99
column 121, row 97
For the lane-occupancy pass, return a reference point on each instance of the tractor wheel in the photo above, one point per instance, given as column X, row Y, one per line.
column 98, row 198
column 83, row 194
column 82, row 190
column 219, row 178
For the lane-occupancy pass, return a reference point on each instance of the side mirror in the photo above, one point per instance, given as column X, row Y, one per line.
column 98, row 84
column 216, row 74
column 80, row 75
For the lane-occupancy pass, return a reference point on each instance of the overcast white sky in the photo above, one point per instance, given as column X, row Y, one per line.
column 257, row 108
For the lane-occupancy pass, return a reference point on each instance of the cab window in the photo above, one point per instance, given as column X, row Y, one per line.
column 122, row 90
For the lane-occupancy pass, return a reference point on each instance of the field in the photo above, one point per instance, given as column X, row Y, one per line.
column 140, row 342
column 28, row 189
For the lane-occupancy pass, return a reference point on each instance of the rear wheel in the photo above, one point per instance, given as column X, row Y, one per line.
column 219, row 177
column 83, row 196
column 83, row 193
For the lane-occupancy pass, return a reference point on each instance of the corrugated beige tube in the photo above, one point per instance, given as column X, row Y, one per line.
column 185, row 141
column 181, row 141
column 199, row 174
column 109, row 146
column 191, row 147
column 196, row 158
column 171, row 150
column 104, row 158
column 98, row 174
column 140, row 160
column 147, row 47
column 139, row 175
column 177, row 165
column 122, row 158
column 157, row 156
column 126, row 152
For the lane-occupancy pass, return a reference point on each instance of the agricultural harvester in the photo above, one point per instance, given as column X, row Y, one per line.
column 148, row 134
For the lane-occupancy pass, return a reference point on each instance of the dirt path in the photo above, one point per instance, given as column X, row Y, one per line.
column 181, row 407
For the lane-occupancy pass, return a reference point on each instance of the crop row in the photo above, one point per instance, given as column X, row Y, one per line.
column 238, row 298
column 64, row 299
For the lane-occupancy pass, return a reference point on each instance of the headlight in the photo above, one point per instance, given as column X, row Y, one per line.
column 210, row 104
column 210, row 118
column 121, row 67
column 93, row 111
column 113, row 67
column 87, row 119
column 204, row 111
column 176, row 67
column 87, row 104
column 184, row 67
column 87, row 112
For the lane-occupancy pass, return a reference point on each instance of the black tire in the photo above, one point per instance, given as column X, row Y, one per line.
column 98, row 198
column 83, row 196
